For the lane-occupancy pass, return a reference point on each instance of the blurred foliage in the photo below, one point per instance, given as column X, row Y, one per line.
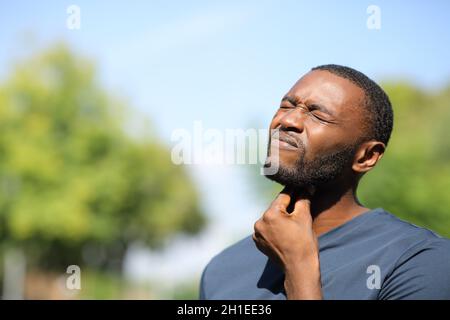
column 106, row 285
column 187, row 291
column 412, row 180
column 75, row 187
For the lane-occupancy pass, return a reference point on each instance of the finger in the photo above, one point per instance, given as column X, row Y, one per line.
column 301, row 201
column 302, row 206
column 283, row 199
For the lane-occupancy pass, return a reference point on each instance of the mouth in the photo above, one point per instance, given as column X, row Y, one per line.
column 285, row 141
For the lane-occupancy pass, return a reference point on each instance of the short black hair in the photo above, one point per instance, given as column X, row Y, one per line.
column 381, row 117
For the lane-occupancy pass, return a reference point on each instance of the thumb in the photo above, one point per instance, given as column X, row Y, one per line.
column 302, row 206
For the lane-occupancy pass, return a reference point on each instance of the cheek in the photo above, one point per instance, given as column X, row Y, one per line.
column 325, row 141
column 320, row 140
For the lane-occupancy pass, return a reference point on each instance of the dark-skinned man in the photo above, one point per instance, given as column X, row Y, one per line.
column 316, row 240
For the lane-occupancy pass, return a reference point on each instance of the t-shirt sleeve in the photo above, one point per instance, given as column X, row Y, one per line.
column 422, row 272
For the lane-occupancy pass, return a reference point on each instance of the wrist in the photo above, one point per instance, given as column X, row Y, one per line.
column 298, row 263
column 305, row 289
column 302, row 279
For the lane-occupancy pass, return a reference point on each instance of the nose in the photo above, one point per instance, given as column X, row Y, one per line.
column 293, row 120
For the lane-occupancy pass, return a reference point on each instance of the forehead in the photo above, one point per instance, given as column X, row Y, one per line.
column 338, row 94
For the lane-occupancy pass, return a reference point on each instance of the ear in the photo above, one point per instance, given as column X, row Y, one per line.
column 368, row 155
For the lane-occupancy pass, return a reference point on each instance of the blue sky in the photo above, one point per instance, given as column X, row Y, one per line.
column 229, row 63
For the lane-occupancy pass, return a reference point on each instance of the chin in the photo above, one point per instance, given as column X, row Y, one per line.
column 286, row 180
column 284, row 161
column 284, row 175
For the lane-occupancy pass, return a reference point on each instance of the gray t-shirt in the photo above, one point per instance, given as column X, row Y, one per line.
column 373, row 256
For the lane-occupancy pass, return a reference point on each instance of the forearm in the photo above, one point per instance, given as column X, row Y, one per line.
column 302, row 280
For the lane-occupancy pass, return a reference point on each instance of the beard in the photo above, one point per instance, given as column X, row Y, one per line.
column 314, row 173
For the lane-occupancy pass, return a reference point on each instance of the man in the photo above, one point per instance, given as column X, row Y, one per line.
column 316, row 240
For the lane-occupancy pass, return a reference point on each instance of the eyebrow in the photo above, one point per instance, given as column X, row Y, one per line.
column 313, row 106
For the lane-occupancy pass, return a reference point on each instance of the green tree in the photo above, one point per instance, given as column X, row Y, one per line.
column 75, row 187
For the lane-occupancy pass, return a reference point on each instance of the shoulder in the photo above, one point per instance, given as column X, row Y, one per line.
column 229, row 265
column 422, row 267
column 235, row 252
column 405, row 236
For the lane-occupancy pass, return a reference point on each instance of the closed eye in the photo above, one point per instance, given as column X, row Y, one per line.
column 321, row 119
column 309, row 112
column 316, row 116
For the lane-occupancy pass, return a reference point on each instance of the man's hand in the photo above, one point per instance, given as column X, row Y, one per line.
column 289, row 240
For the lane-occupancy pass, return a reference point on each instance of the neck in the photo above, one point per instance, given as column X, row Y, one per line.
column 334, row 205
